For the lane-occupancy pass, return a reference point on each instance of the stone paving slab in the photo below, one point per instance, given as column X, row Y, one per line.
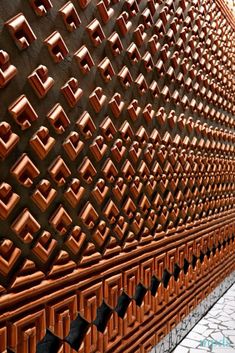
column 215, row 332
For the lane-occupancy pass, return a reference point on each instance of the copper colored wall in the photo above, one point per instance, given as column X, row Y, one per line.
column 117, row 169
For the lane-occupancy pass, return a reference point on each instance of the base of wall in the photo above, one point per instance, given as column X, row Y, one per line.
column 169, row 343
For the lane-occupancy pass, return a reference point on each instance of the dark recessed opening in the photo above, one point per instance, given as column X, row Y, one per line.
column 70, row 19
column 20, row 34
column 122, row 305
column 24, row 116
column 214, row 250
column 154, row 285
column 176, row 272
column 49, row 344
column 78, row 330
column 56, row 50
column 201, row 257
column 186, row 266
column 139, row 294
column 104, row 313
column 39, row 3
column 166, row 277
column 194, row 261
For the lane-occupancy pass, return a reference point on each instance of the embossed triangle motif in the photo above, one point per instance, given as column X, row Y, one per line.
column 9, row 255
column 101, row 233
column 45, row 246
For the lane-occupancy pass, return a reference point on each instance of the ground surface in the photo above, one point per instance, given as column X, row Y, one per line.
column 215, row 332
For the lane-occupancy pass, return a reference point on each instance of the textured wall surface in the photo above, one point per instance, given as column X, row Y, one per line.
column 117, row 169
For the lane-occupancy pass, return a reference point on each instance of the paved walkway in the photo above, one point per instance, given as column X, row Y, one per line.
column 216, row 331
